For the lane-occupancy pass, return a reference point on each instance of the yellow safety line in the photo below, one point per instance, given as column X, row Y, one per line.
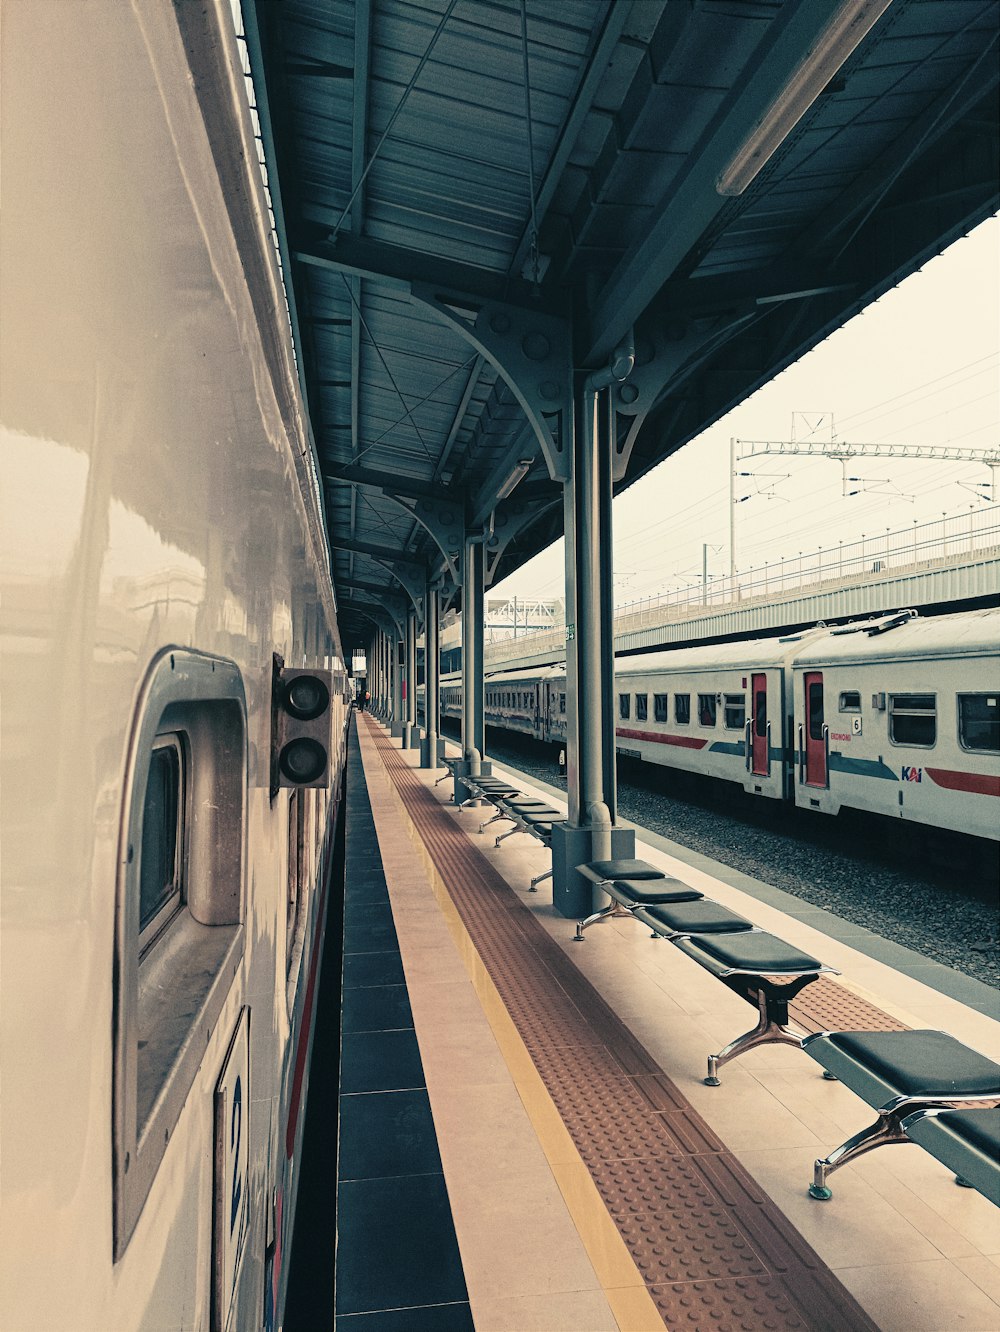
column 621, row 1281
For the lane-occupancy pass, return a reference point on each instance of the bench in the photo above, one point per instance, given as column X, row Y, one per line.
column 490, row 789
column 966, row 1141
column 902, row 1074
column 761, row 968
column 449, row 765
column 630, row 884
column 522, row 804
column 534, row 818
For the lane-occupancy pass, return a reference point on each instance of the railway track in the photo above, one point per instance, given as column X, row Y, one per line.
column 932, row 892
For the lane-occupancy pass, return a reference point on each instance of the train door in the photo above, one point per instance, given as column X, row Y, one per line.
column 815, row 731
column 760, row 758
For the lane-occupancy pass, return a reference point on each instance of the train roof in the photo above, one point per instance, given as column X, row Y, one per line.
column 747, row 653
column 969, row 633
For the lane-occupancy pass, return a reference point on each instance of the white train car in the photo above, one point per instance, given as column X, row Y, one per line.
column 722, row 711
column 902, row 717
column 162, row 552
column 896, row 715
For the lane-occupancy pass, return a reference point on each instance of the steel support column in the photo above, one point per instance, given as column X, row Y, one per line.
column 396, row 677
column 589, row 832
column 411, row 732
column 473, row 710
column 432, row 678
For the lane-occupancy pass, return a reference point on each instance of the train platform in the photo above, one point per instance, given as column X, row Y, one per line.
column 594, row 1182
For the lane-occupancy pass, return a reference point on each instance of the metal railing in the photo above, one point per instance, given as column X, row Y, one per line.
column 946, row 541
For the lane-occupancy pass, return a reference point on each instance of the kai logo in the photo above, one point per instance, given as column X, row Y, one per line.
column 912, row 774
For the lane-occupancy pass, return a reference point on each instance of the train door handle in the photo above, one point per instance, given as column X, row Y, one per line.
column 767, row 738
column 802, row 754
column 826, row 755
column 748, row 744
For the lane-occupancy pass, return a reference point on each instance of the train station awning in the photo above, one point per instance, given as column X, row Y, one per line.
column 475, row 199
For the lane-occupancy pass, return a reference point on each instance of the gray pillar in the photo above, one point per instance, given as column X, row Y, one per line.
column 411, row 732
column 432, row 680
column 383, row 709
column 397, row 684
column 588, row 833
column 473, row 719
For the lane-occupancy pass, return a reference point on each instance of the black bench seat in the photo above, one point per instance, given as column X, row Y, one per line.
column 702, row 916
column 490, row 789
column 630, row 884
column 527, row 815
column 898, row 1073
column 763, row 970
column 966, row 1141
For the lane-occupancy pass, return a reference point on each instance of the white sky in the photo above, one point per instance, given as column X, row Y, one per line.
column 919, row 366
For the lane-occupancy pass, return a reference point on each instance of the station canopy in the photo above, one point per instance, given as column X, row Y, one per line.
column 477, row 201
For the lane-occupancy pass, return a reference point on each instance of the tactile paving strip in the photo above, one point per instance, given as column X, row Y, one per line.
column 713, row 1249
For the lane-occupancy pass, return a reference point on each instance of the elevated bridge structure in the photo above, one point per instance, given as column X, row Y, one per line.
column 957, row 567
column 530, row 249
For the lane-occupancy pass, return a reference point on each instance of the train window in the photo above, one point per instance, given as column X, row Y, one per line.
column 706, row 709
column 979, row 722
column 815, row 707
column 562, row 702
column 178, row 905
column 913, row 719
column 641, row 707
column 850, row 700
column 624, row 706
column 682, row 709
column 660, row 707
column 735, row 714
column 161, row 883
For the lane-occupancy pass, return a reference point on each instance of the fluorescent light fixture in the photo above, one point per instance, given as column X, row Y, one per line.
column 517, row 474
column 851, row 22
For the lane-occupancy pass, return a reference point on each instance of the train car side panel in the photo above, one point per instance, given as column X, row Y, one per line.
column 155, row 501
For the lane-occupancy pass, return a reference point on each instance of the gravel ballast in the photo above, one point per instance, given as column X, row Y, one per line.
column 936, row 896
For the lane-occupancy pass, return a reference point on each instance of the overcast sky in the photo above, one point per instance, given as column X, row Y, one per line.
column 919, row 366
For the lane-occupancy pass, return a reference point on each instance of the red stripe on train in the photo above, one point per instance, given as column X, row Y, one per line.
column 978, row 783
column 661, row 738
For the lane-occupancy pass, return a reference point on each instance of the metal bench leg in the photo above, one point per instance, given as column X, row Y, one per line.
column 495, row 819
column 605, row 913
column 509, row 833
column 885, row 1130
column 768, row 1031
column 533, row 886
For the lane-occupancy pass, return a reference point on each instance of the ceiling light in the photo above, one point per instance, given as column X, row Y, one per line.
column 516, row 475
column 851, row 22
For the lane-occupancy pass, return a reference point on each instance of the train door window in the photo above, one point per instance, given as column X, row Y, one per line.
column 178, row 905
column 815, row 706
column 760, row 712
column 735, row 712
column 913, row 719
column 641, row 707
column 562, row 703
column 979, row 722
column 660, row 707
column 682, row 709
column 161, row 879
column 850, row 700
column 624, row 706
column 706, row 709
